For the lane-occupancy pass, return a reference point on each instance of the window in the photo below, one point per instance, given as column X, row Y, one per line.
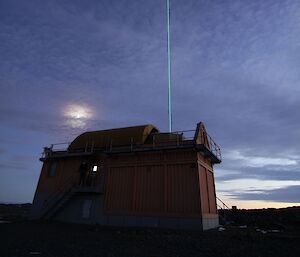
column 95, row 168
column 52, row 169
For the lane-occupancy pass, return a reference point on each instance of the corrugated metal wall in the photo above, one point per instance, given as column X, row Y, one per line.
column 182, row 189
column 66, row 170
column 166, row 183
column 204, row 189
column 207, row 188
column 211, row 192
column 148, row 194
column 169, row 189
column 120, row 189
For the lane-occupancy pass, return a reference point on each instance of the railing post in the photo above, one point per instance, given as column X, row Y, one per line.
column 51, row 149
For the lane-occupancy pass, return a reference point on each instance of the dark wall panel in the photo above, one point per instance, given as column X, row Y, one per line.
column 211, row 192
column 120, row 189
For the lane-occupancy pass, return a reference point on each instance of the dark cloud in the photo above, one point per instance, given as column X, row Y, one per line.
column 263, row 173
column 17, row 162
column 11, row 166
column 288, row 194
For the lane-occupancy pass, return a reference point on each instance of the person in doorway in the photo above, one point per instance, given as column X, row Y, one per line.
column 94, row 171
column 83, row 169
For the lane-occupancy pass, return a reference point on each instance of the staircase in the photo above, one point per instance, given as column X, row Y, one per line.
column 57, row 200
column 223, row 208
column 57, row 205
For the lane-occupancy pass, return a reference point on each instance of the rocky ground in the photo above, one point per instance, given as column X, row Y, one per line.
column 26, row 238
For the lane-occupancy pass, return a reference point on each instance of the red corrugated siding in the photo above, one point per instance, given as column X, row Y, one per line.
column 43, row 181
column 207, row 189
column 149, row 194
column 119, row 189
column 165, row 183
column 211, row 192
column 155, row 189
column 203, row 190
column 182, row 191
column 66, row 170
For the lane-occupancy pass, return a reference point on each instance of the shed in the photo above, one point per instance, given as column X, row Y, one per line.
column 133, row 176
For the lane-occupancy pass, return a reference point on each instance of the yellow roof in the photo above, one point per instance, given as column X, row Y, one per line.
column 117, row 136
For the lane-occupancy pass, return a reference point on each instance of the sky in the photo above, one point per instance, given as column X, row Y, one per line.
column 68, row 66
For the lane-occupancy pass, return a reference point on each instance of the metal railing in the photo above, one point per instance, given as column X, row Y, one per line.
column 58, row 147
column 223, row 210
column 155, row 140
column 222, row 203
column 214, row 147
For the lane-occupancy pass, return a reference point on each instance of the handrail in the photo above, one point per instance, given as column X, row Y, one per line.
column 57, row 195
column 222, row 210
column 177, row 138
column 224, row 205
column 220, row 207
column 62, row 143
column 214, row 147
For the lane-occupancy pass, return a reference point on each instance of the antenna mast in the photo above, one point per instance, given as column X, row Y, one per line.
column 169, row 68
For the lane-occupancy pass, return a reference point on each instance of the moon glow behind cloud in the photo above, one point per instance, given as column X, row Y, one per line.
column 77, row 115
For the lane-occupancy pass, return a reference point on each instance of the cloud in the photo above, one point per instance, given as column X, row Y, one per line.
column 12, row 166
column 260, row 173
column 288, row 194
column 258, row 161
column 250, row 164
column 17, row 162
